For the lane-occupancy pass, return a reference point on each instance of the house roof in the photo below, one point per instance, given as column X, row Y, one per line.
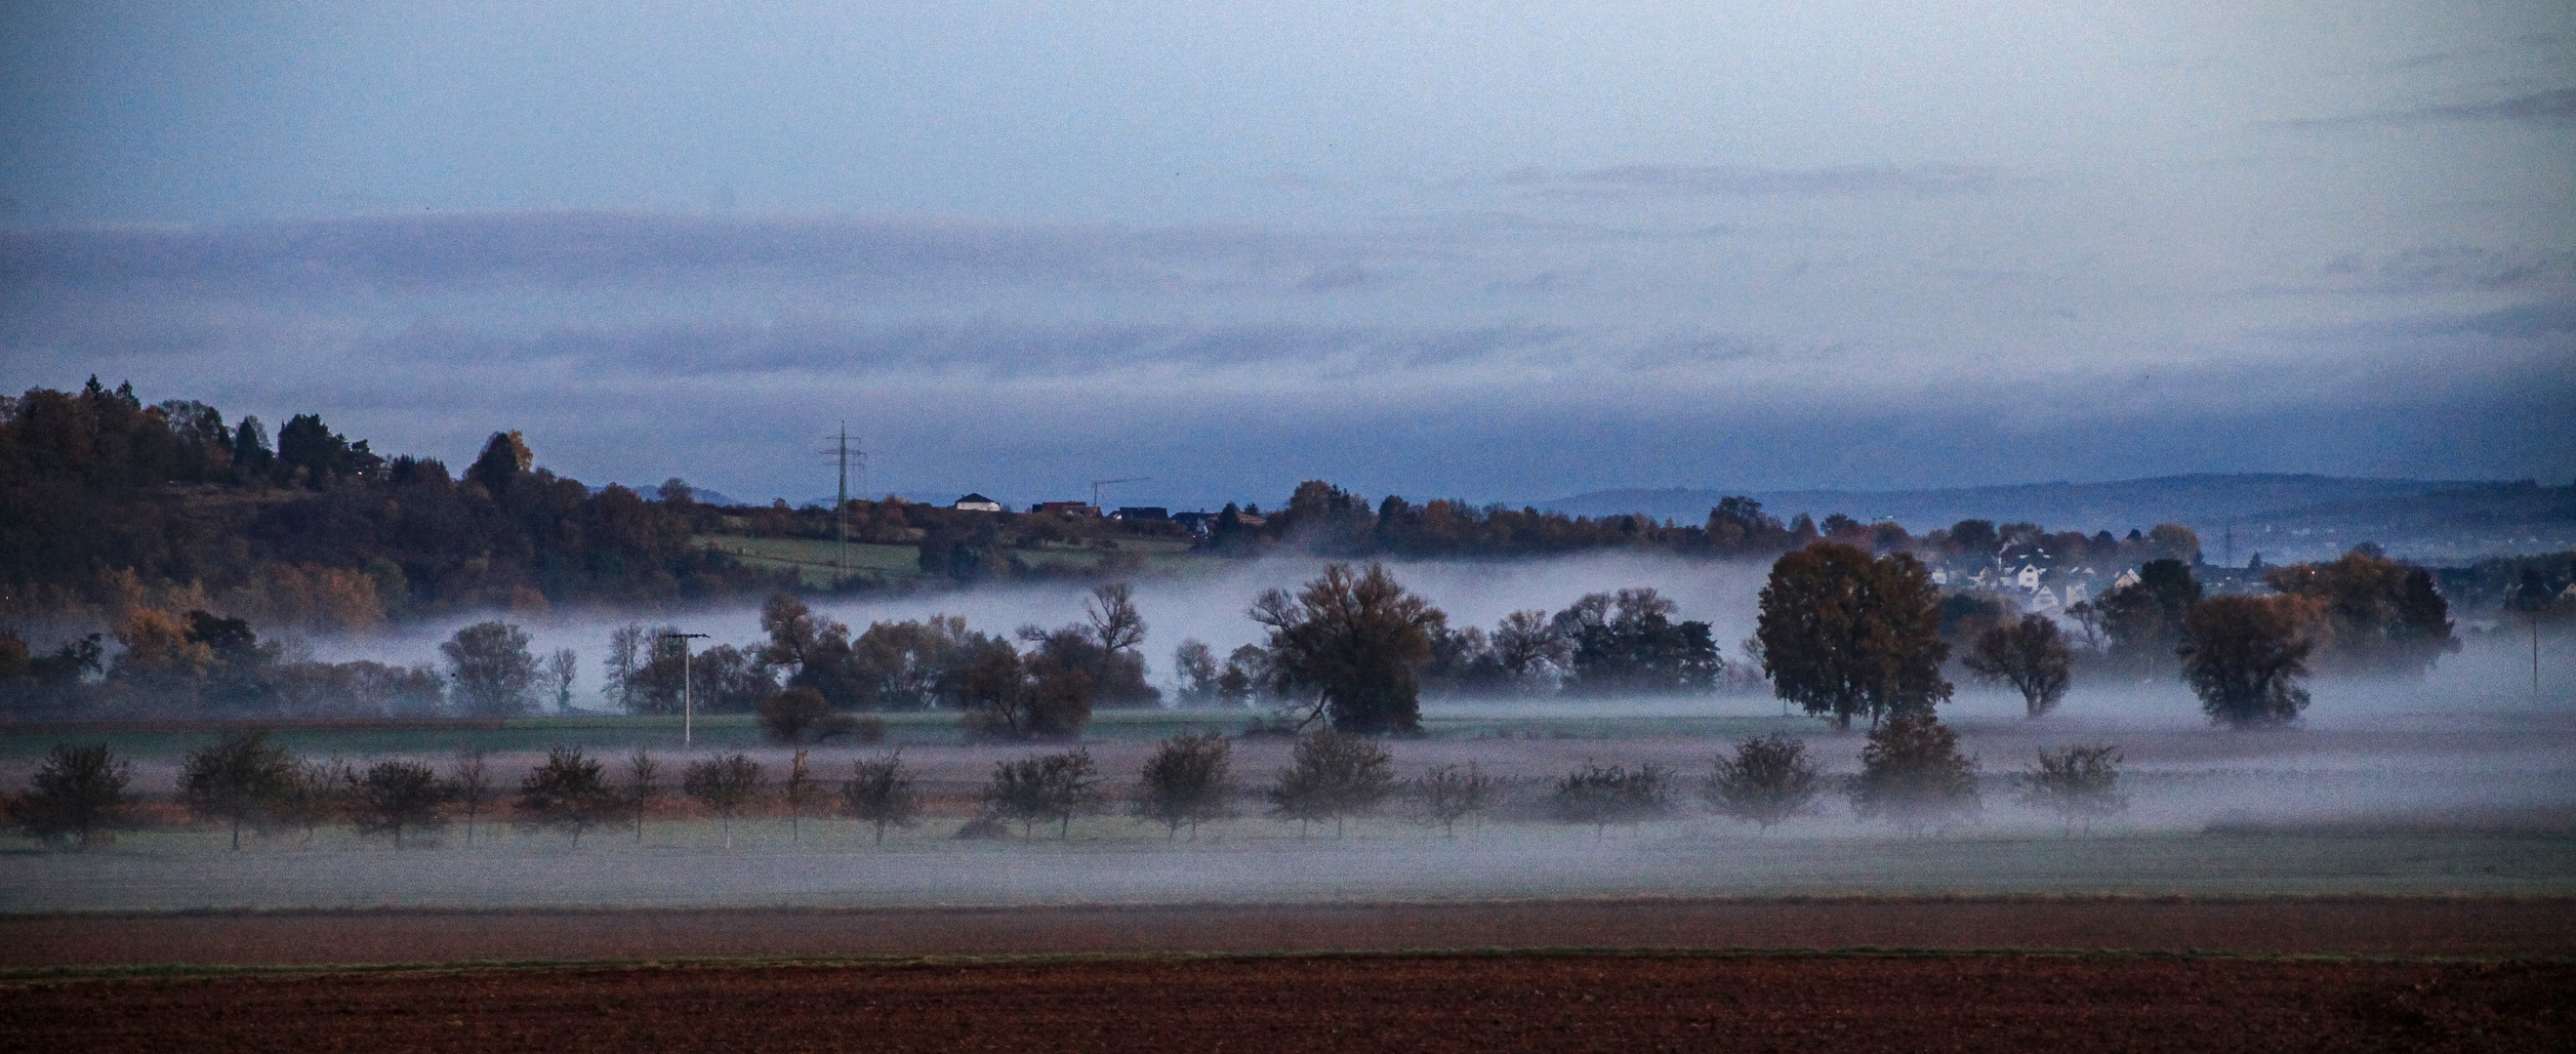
column 977, row 498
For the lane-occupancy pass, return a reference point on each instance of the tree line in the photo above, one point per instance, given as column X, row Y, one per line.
column 108, row 505
column 1912, row 776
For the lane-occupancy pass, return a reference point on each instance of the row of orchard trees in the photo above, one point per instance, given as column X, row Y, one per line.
column 1912, row 775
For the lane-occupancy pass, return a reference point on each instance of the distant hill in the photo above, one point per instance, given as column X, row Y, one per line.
column 2283, row 516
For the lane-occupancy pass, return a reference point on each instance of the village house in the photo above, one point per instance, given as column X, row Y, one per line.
column 976, row 503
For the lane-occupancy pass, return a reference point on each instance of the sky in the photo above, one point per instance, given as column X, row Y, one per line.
column 1504, row 252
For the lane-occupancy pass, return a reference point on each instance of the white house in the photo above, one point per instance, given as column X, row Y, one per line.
column 977, row 503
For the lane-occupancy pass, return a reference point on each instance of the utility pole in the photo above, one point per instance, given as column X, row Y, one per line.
column 688, row 702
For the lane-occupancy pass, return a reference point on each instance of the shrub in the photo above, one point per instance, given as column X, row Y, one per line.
column 1044, row 788
column 1332, row 776
column 395, row 795
column 880, row 793
column 1452, row 794
column 1189, row 779
column 726, row 786
column 1603, row 796
column 77, row 795
column 1912, row 773
column 568, row 792
column 801, row 715
column 1769, row 779
column 239, row 781
column 2077, row 783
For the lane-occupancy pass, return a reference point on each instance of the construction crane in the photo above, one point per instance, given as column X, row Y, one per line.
column 1099, row 483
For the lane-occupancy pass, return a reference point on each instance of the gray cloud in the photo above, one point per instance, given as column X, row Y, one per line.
column 545, row 250
column 1736, row 181
column 2545, row 108
column 2438, row 269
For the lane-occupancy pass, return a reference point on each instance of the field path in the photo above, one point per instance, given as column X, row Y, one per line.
column 2466, row 927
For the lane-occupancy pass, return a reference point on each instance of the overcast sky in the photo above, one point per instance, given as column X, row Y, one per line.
column 1502, row 251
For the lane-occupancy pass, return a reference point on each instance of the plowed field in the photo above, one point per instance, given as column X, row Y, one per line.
column 1454, row 1003
column 2480, row 927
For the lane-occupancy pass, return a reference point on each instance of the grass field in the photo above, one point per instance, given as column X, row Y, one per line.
column 817, row 561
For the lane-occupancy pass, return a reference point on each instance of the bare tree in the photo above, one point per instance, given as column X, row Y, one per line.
column 2078, row 783
column 797, row 792
column 1115, row 623
column 77, row 795
column 1332, row 776
column 315, row 793
column 881, row 793
column 1603, row 795
column 1769, row 779
column 2031, row 656
column 1453, row 794
column 726, row 786
column 1045, row 788
column 1531, row 648
column 1189, row 779
column 561, row 668
column 395, row 795
column 643, row 784
column 469, row 783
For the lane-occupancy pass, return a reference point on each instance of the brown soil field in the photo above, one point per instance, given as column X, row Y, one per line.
column 2462, row 927
column 1338, row 1003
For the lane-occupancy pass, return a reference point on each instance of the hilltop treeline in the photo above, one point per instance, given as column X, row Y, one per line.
column 108, row 505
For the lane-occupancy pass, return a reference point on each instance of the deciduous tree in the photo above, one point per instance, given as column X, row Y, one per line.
column 2029, row 655
column 1845, row 636
column 395, row 796
column 725, row 785
column 643, row 784
column 2244, row 656
column 1045, row 788
column 77, row 794
column 469, row 784
column 1602, row 795
column 2385, row 617
column 490, row 666
column 1333, row 776
column 568, row 792
column 1189, row 779
column 1912, row 774
column 1351, row 642
column 881, row 794
column 239, row 781
column 2078, row 783
column 1451, row 793
column 1769, row 780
